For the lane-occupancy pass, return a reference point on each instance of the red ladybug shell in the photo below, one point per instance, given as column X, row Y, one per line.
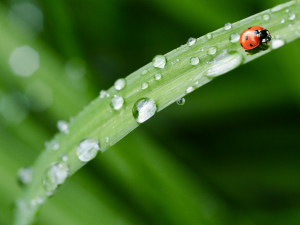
column 249, row 39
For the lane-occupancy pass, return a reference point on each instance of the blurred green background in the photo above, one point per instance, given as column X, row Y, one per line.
column 230, row 155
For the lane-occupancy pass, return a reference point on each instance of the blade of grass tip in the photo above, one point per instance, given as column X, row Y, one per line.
column 169, row 77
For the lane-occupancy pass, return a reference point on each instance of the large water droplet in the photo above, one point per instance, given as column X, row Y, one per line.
column 63, row 126
column 292, row 16
column 120, row 84
column 55, row 175
column 227, row 26
column 266, row 17
column 117, row 102
column 189, row 89
column 157, row 76
column 25, row 175
column 191, row 41
column 143, row 109
column 180, row 101
column 277, row 43
column 212, row 50
column 235, row 37
column 194, row 61
column 225, row 62
column 159, row 61
column 145, row 85
column 102, row 94
column 87, row 149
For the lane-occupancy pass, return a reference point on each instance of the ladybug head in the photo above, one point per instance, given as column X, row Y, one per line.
column 265, row 36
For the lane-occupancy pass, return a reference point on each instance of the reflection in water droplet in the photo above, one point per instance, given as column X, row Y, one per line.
column 235, row 37
column 102, row 94
column 25, row 175
column 189, row 89
column 191, row 41
column 159, row 61
column 266, row 17
column 63, row 126
column 212, row 50
column 87, row 149
column 292, row 16
column 194, row 61
column 157, row 76
column 277, row 43
column 117, row 102
column 180, row 101
column 120, row 84
column 24, row 61
column 52, row 145
column 145, row 85
column 55, row 175
column 227, row 26
column 143, row 109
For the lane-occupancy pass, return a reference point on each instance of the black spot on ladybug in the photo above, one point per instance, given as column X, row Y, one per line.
column 241, row 44
column 251, row 44
column 249, row 28
column 246, row 37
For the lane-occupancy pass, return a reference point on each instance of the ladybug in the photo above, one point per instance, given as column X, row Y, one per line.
column 254, row 36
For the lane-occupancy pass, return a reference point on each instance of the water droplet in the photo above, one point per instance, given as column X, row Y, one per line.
column 177, row 60
column 292, row 16
column 287, row 10
column 120, row 84
column 277, row 43
column 87, row 149
column 159, row 61
column 225, row 62
column 235, row 37
column 227, row 26
column 208, row 36
column 282, row 21
column 102, row 94
column 63, row 126
column 194, row 61
column 107, row 139
column 25, row 175
column 64, row 157
column 117, row 102
column 157, row 76
column 144, row 72
column 107, row 95
column 145, row 85
column 55, row 175
column 180, row 101
column 24, row 61
column 212, row 50
column 143, row 109
column 266, row 17
column 191, row 41
column 189, row 89
column 37, row 201
column 197, row 82
column 52, row 145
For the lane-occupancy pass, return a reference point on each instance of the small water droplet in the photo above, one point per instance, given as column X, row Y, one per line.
column 194, row 61
column 235, row 37
column 157, row 76
column 52, row 145
column 55, row 175
column 120, row 84
column 227, row 26
column 277, row 43
column 87, row 149
column 287, row 10
column 25, row 175
column 116, row 102
column 143, row 109
column 292, row 16
column 107, row 139
column 63, row 126
column 282, row 21
column 191, row 41
column 144, row 72
column 180, row 101
column 64, row 157
column 189, row 89
column 37, row 201
column 177, row 60
column 266, row 17
column 107, row 95
column 159, row 61
column 212, row 50
column 208, row 36
column 145, row 85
